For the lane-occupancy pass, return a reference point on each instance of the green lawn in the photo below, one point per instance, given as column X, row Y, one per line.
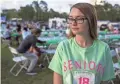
column 44, row 76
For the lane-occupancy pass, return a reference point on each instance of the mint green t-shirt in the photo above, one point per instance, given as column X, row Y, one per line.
column 79, row 65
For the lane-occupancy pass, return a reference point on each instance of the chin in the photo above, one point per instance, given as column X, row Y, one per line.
column 75, row 33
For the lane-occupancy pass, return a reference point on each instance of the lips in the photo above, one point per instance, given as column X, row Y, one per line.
column 75, row 28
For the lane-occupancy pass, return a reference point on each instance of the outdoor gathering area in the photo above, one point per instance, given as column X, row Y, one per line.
column 37, row 41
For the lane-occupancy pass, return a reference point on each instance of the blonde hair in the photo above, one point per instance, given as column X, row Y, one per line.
column 90, row 13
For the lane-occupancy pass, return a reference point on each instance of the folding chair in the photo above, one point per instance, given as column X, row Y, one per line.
column 50, row 51
column 17, row 58
column 5, row 41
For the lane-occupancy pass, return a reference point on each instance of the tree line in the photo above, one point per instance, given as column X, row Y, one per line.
column 39, row 12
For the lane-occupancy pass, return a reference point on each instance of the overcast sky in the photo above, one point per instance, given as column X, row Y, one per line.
column 57, row 5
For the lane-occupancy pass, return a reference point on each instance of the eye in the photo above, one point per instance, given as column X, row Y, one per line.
column 81, row 18
column 70, row 19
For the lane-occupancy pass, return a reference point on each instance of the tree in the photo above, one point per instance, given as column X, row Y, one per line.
column 108, row 12
column 117, row 9
column 11, row 13
column 39, row 11
column 51, row 13
column 64, row 15
column 27, row 12
column 43, row 6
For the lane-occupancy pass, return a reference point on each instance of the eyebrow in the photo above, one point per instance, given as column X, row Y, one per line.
column 77, row 16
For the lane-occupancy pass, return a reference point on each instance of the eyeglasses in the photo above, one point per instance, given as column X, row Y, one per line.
column 76, row 20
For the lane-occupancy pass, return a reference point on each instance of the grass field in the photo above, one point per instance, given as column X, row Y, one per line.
column 44, row 76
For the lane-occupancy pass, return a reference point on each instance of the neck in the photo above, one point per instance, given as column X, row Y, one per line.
column 84, row 41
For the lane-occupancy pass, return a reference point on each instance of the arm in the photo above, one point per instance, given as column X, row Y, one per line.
column 57, row 79
column 56, row 65
column 108, row 73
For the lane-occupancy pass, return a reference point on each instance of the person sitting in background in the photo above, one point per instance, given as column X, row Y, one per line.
column 7, row 34
column 29, row 49
column 104, row 27
column 110, row 28
column 116, row 31
column 18, row 29
column 119, row 30
column 25, row 32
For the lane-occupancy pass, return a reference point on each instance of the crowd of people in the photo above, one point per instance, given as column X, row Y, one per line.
column 26, row 39
column 109, row 28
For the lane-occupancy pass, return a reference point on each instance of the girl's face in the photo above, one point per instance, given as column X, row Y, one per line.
column 78, row 22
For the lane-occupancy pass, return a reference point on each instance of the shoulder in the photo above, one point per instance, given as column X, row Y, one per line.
column 30, row 36
column 102, row 44
column 66, row 43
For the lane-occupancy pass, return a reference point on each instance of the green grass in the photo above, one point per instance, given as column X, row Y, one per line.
column 44, row 76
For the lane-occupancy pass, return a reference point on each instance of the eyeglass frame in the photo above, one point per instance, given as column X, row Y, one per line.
column 75, row 20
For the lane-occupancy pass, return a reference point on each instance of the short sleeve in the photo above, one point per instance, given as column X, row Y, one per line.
column 108, row 69
column 56, row 62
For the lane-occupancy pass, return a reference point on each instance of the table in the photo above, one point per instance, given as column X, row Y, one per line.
column 51, row 40
column 15, row 34
column 111, row 37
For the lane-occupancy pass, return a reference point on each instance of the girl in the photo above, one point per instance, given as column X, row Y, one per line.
column 82, row 59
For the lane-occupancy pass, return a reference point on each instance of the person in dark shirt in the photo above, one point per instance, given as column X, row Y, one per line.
column 17, row 38
column 25, row 48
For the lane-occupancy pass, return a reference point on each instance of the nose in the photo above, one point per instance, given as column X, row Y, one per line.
column 74, row 23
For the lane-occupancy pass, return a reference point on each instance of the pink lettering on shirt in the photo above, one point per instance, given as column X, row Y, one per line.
column 100, row 68
column 77, row 64
column 65, row 67
column 70, row 66
column 92, row 65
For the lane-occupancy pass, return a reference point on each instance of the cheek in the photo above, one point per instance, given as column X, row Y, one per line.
column 86, row 26
column 83, row 27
